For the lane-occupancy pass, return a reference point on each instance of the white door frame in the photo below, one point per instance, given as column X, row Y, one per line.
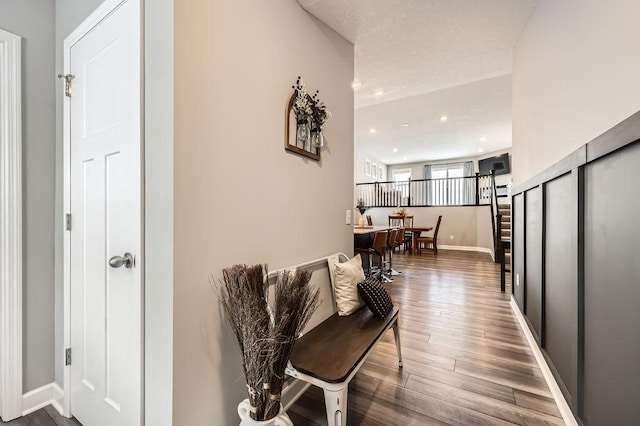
column 104, row 10
column 10, row 227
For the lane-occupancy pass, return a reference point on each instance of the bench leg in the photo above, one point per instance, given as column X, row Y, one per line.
column 396, row 334
column 336, row 405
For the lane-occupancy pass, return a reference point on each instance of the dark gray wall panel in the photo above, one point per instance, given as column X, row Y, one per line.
column 612, row 290
column 518, row 250
column 533, row 259
column 561, row 281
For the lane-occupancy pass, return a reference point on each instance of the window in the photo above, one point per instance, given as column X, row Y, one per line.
column 401, row 175
column 401, row 180
column 445, row 184
column 445, row 171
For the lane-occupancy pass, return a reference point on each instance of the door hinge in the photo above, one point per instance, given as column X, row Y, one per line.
column 67, row 221
column 67, row 83
column 67, row 356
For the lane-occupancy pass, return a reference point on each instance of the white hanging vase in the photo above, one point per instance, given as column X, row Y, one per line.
column 244, row 411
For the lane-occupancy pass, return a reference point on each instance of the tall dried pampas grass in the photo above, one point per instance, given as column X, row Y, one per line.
column 266, row 334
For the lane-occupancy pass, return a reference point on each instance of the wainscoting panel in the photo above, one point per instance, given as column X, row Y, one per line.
column 561, row 282
column 576, row 247
column 612, row 289
column 533, row 259
column 518, row 238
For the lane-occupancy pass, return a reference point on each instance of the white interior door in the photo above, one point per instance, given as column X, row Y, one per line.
column 106, row 296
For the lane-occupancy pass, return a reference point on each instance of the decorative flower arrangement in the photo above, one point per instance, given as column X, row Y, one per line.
column 320, row 113
column 361, row 206
column 401, row 212
column 266, row 333
column 311, row 114
column 303, row 105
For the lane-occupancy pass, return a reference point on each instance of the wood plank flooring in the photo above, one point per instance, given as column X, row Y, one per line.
column 47, row 416
column 466, row 361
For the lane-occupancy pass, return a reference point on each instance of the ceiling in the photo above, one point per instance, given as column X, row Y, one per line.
column 420, row 60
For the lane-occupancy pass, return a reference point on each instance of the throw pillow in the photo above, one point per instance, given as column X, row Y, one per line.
column 376, row 297
column 345, row 286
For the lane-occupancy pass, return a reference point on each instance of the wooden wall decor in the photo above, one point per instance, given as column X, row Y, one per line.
column 305, row 117
column 297, row 136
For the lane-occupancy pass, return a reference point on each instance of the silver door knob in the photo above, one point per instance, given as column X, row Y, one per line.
column 118, row 261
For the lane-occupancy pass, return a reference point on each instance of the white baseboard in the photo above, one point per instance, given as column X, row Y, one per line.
column 466, row 248
column 37, row 399
column 558, row 397
column 58, row 399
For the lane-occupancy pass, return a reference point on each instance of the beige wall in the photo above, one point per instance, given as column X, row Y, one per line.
column 460, row 226
column 239, row 197
column 575, row 76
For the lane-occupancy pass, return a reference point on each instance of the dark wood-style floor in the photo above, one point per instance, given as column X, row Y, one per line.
column 466, row 360
column 47, row 416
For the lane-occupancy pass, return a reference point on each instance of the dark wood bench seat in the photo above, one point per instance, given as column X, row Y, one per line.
column 334, row 348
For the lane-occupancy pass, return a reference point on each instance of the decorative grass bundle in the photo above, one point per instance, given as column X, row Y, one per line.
column 266, row 335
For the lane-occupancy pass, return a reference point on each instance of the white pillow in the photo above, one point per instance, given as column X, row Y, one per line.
column 345, row 286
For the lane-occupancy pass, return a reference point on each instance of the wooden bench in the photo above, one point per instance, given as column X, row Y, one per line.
column 330, row 354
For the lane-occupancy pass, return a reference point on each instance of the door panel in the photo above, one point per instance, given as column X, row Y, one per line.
column 106, row 301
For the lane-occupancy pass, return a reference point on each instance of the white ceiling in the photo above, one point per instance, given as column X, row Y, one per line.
column 430, row 58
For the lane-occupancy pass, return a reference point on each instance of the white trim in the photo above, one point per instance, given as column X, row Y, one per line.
column 37, row 399
column 58, row 398
column 558, row 397
column 104, row 10
column 10, row 226
column 466, row 248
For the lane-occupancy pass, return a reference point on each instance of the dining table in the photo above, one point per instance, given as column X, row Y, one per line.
column 415, row 232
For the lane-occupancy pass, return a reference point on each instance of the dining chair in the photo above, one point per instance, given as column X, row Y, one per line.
column 400, row 239
column 396, row 220
column 391, row 246
column 408, row 235
column 429, row 243
column 376, row 250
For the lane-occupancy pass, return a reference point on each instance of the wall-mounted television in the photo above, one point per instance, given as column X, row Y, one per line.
column 499, row 163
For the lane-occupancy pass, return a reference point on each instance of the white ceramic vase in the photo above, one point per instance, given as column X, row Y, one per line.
column 361, row 222
column 245, row 417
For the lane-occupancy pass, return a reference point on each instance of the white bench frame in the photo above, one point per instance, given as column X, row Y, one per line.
column 335, row 394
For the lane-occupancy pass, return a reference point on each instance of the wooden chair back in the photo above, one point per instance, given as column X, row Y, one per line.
column 435, row 231
column 408, row 221
column 391, row 241
column 379, row 241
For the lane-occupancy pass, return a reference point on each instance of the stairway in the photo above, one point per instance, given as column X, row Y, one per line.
column 505, row 231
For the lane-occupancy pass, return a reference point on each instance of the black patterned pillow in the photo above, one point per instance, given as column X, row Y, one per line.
column 375, row 297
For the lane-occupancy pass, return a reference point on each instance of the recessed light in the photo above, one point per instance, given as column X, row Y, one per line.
column 404, row 158
column 444, row 118
column 480, row 150
column 379, row 92
column 395, row 150
column 372, row 130
column 483, row 139
column 405, row 125
column 356, row 83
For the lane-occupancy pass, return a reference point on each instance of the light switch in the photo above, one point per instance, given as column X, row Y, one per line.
column 348, row 217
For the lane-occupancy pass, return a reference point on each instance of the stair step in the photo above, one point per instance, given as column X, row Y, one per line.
column 506, row 225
